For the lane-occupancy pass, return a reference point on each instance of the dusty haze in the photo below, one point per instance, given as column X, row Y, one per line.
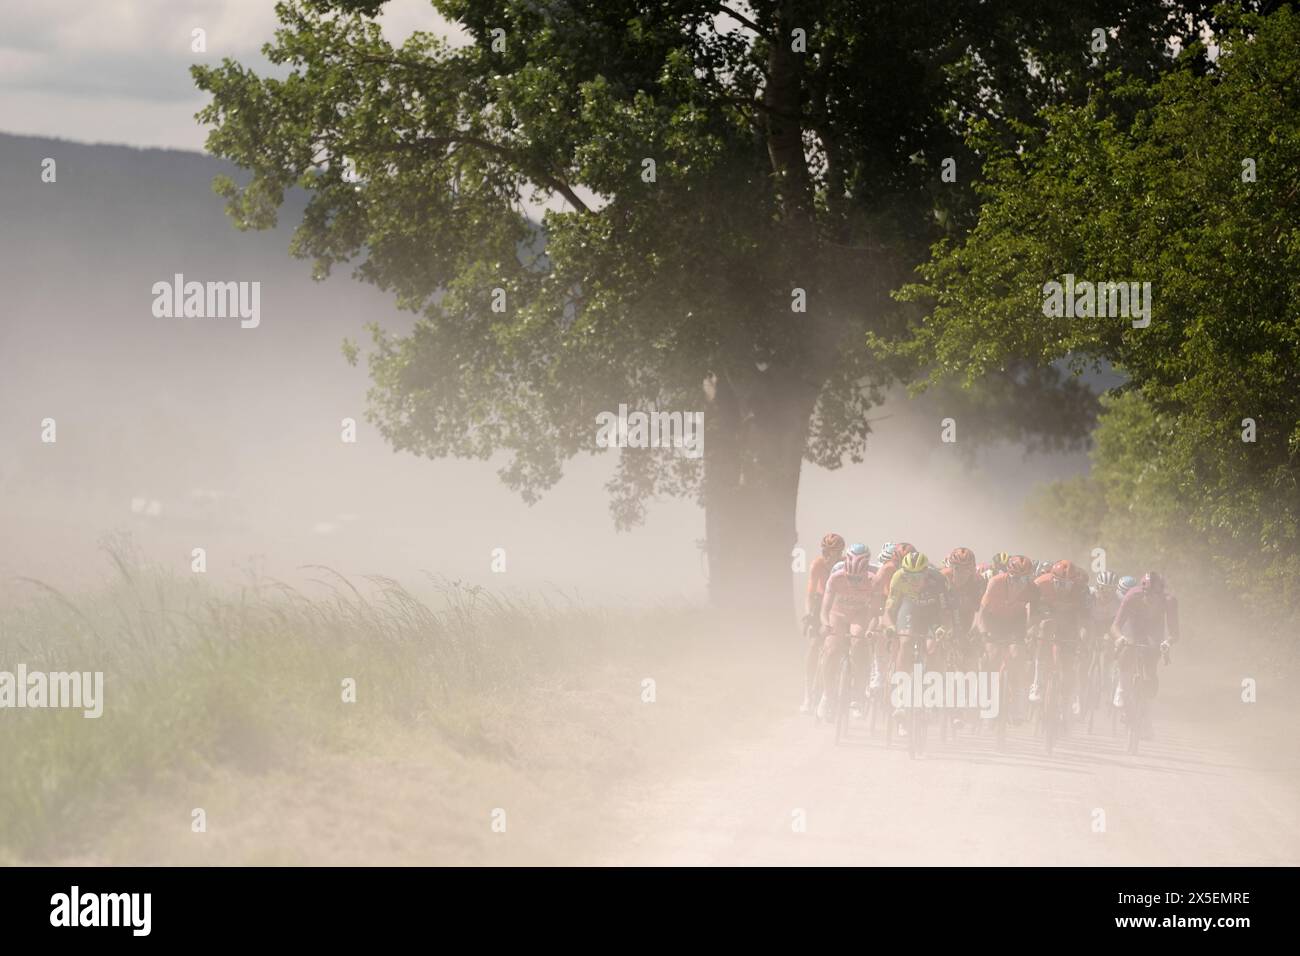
column 184, row 433
column 235, row 432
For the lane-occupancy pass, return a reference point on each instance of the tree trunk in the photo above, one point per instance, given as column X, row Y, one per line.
column 753, row 450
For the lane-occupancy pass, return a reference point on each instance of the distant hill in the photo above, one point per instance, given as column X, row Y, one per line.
column 195, row 432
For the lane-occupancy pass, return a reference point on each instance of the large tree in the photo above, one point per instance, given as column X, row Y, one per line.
column 797, row 146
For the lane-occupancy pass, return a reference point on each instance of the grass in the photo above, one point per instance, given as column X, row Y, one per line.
column 198, row 679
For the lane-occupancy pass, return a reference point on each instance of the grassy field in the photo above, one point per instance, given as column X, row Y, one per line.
column 209, row 690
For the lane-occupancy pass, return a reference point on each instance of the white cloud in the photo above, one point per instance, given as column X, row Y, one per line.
column 118, row 70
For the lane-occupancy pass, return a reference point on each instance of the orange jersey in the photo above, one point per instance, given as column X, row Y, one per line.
column 1068, row 604
column 819, row 573
column 1006, row 596
column 965, row 595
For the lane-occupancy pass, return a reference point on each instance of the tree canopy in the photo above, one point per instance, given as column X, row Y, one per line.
column 1192, row 183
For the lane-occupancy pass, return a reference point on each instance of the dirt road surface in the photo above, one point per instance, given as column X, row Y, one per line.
column 1218, row 786
column 720, row 769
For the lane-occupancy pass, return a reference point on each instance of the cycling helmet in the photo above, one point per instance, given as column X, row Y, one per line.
column 903, row 549
column 1107, row 579
column 960, row 558
column 886, row 553
column 857, row 563
column 833, row 542
column 1019, row 566
column 1127, row 583
column 1153, row 582
column 915, row 562
column 1063, row 570
column 1000, row 561
column 859, row 549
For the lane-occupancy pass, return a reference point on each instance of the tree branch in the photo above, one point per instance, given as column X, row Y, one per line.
column 548, row 180
column 741, row 18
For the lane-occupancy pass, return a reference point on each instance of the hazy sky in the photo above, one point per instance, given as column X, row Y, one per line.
column 117, row 71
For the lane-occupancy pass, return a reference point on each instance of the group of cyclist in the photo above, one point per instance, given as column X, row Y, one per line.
column 1005, row 614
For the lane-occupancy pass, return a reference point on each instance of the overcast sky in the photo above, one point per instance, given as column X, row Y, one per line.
column 117, row 71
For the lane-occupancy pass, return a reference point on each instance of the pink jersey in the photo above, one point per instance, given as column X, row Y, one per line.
column 848, row 599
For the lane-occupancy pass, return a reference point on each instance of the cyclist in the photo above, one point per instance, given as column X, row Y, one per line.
column 1004, row 612
column 966, row 588
column 996, row 565
column 890, row 560
column 886, row 552
column 818, row 574
column 888, row 569
column 1061, row 607
column 1102, row 605
column 1147, row 615
column 917, row 603
column 965, row 585
column 846, row 611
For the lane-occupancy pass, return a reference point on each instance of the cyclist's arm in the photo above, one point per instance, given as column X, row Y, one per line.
column 828, row 602
column 893, row 598
column 816, row 585
column 1117, row 625
column 814, row 611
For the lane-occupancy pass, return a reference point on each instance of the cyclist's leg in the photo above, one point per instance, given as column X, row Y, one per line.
column 990, row 662
column 1150, row 656
column 1070, row 674
column 834, row 649
column 812, row 663
column 997, row 651
column 884, row 651
column 1018, row 664
column 903, row 616
column 861, row 651
column 1126, row 663
column 1034, row 648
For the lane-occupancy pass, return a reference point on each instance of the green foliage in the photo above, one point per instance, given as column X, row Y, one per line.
column 1144, row 183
